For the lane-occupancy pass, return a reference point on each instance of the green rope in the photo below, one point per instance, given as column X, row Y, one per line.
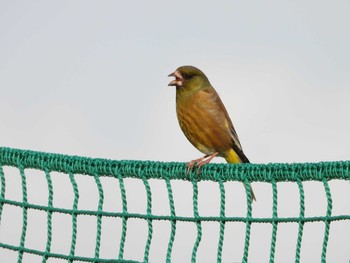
column 149, row 220
column 300, row 223
column 2, row 193
column 222, row 215
column 49, row 217
column 145, row 170
column 178, row 218
column 248, row 221
column 99, row 217
column 173, row 222
column 327, row 223
column 154, row 170
column 198, row 222
column 74, row 216
column 125, row 218
column 61, row 256
column 274, row 224
column 25, row 212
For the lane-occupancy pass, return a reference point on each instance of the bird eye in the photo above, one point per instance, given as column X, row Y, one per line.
column 186, row 76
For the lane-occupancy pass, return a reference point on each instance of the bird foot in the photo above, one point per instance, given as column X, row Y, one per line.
column 200, row 162
column 193, row 162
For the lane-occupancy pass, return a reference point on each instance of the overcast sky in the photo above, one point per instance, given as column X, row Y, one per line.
column 90, row 77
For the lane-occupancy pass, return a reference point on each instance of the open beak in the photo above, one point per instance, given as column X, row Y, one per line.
column 177, row 81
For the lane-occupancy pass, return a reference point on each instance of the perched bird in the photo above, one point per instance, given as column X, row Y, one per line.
column 204, row 120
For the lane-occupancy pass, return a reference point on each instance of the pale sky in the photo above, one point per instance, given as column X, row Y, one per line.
column 90, row 78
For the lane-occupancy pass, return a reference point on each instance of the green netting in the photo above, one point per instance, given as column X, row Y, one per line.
column 145, row 170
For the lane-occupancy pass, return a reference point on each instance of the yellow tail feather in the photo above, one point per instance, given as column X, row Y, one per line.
column 232, row 157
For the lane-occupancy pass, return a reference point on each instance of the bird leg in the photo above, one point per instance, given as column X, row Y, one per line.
column 205, row 161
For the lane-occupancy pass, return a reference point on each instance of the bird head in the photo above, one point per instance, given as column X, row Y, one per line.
column 189, row 78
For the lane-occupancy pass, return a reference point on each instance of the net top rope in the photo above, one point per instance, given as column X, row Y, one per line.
column 278, row 172
column 145, row 170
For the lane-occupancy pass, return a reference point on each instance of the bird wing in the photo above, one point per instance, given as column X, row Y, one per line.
column 222, row 114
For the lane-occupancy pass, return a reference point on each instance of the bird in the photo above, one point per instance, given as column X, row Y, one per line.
column 204, row 119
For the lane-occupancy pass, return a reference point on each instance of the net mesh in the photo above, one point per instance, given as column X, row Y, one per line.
column 146, row 170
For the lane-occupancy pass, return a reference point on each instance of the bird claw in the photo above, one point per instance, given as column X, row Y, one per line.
column 201, row 163
column 193, row 162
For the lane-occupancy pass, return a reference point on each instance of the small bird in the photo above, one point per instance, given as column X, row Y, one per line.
column 204, row 120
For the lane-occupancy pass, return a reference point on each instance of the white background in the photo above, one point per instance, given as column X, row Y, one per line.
column 90, row 78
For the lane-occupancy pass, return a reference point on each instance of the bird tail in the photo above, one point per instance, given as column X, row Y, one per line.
column 232, row 157
column 251, row 192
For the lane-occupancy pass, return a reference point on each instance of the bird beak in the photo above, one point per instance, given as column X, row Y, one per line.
column 178, row 79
